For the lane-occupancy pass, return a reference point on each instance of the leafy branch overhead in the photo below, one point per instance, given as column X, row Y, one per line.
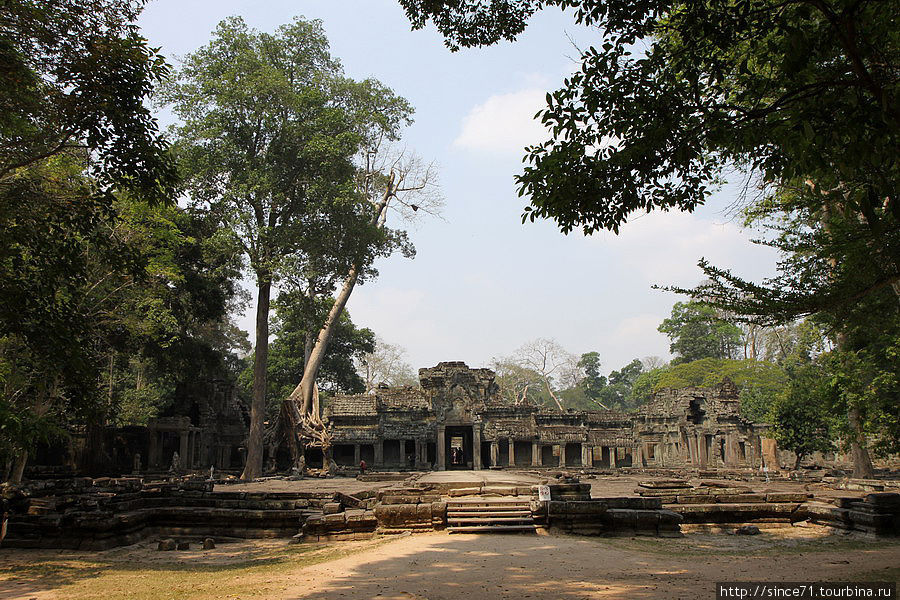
column 672, row 94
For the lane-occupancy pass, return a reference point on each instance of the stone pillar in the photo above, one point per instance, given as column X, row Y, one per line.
column 512, row 453
column 356, row 455
column 417, row 453
column 379, row 453
column 587, row 455
column 692, row 450
column 441, row 449
column 562, row 455
column 535, row 454
column 495, row 453
column 769, row 452
column 152, row 451
column 702, row 454
column 476, row 447
column 183, row 446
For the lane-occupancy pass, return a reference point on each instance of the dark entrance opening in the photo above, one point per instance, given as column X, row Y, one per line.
column 459, row 447
column 430, row 452
column 409, row 454
column 548, row 459
column 314, row 458
column 503, row 454
column 391, row 453
column 522, row 454
column 573, row 455
column 343, row 454
column 367, row 453
column 486, row 455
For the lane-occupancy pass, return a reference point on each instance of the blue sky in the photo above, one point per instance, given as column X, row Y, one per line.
column 482, row 283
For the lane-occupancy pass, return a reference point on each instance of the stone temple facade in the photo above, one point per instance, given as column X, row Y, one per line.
column 457, row 420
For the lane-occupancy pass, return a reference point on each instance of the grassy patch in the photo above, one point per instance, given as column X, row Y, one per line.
column 109, row 577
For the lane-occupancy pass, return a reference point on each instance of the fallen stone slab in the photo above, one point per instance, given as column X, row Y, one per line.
column 470, row 491
column 742, row 498
column 664, row 484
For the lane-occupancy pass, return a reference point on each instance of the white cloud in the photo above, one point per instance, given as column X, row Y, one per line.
column 664, row 247
column 504, row 123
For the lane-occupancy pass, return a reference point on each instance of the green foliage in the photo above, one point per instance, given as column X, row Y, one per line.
column 759, row 382
column 801, row 95
column 593, row 381
column 868, row 378
column 788, row 89
column 802, row 417
column 296, row 322
column 76, row 74
column 697, row 331
column 267, row 145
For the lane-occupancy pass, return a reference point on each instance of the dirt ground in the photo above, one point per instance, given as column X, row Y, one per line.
column 601, row 485
column 437, row 566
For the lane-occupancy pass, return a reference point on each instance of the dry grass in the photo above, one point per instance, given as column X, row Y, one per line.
column 245, row 570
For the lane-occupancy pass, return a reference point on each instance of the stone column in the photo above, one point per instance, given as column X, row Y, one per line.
column 587, row 456
column 440, row 449
column 379, row 453
column 495, row 453
column 562, row 455
column 152, row 451
column 417, row 452
column 476, row 447
column 183, row 446
column 356, row 455
column 693, row 457
column 702, row 454
column 535, row 454
column 512, row 453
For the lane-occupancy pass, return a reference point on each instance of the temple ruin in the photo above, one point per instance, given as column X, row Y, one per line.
column 457, row 420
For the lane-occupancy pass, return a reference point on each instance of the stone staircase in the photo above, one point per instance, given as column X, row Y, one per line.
column 490, row 515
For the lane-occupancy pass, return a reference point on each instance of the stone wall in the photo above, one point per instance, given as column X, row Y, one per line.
column 96, row 514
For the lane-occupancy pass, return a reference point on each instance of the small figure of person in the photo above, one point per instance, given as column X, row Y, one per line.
column 362, row 467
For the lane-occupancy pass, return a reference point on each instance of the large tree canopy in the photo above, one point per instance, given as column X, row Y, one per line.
column 269, row 138
column 673, row 93
column 75, row 74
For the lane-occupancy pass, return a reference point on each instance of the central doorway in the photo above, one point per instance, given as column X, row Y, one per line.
column 459, row 451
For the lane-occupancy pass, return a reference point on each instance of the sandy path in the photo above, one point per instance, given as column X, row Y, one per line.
column 438, row 566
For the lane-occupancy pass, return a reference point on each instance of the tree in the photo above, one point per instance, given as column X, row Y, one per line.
column 593, row 382
column 73, row 131
column 270, row 129
column 75, row 75
column 386, row 180
column 549, row 360
column 618, row 392
column 698, row 332
column 802, row 95
column 790, row 88
column 385, row 365
column 517, row 383
column 290, row 326
column 802, row 418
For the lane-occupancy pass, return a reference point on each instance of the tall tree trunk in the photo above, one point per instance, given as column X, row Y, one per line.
column 18, row 469
column 253, row 467
column 304, row 391
column 552, row 395
column 862, row 462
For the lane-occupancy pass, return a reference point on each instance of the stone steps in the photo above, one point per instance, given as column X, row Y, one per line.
column 498, row 513
column 489, row 516
column 492, row 529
